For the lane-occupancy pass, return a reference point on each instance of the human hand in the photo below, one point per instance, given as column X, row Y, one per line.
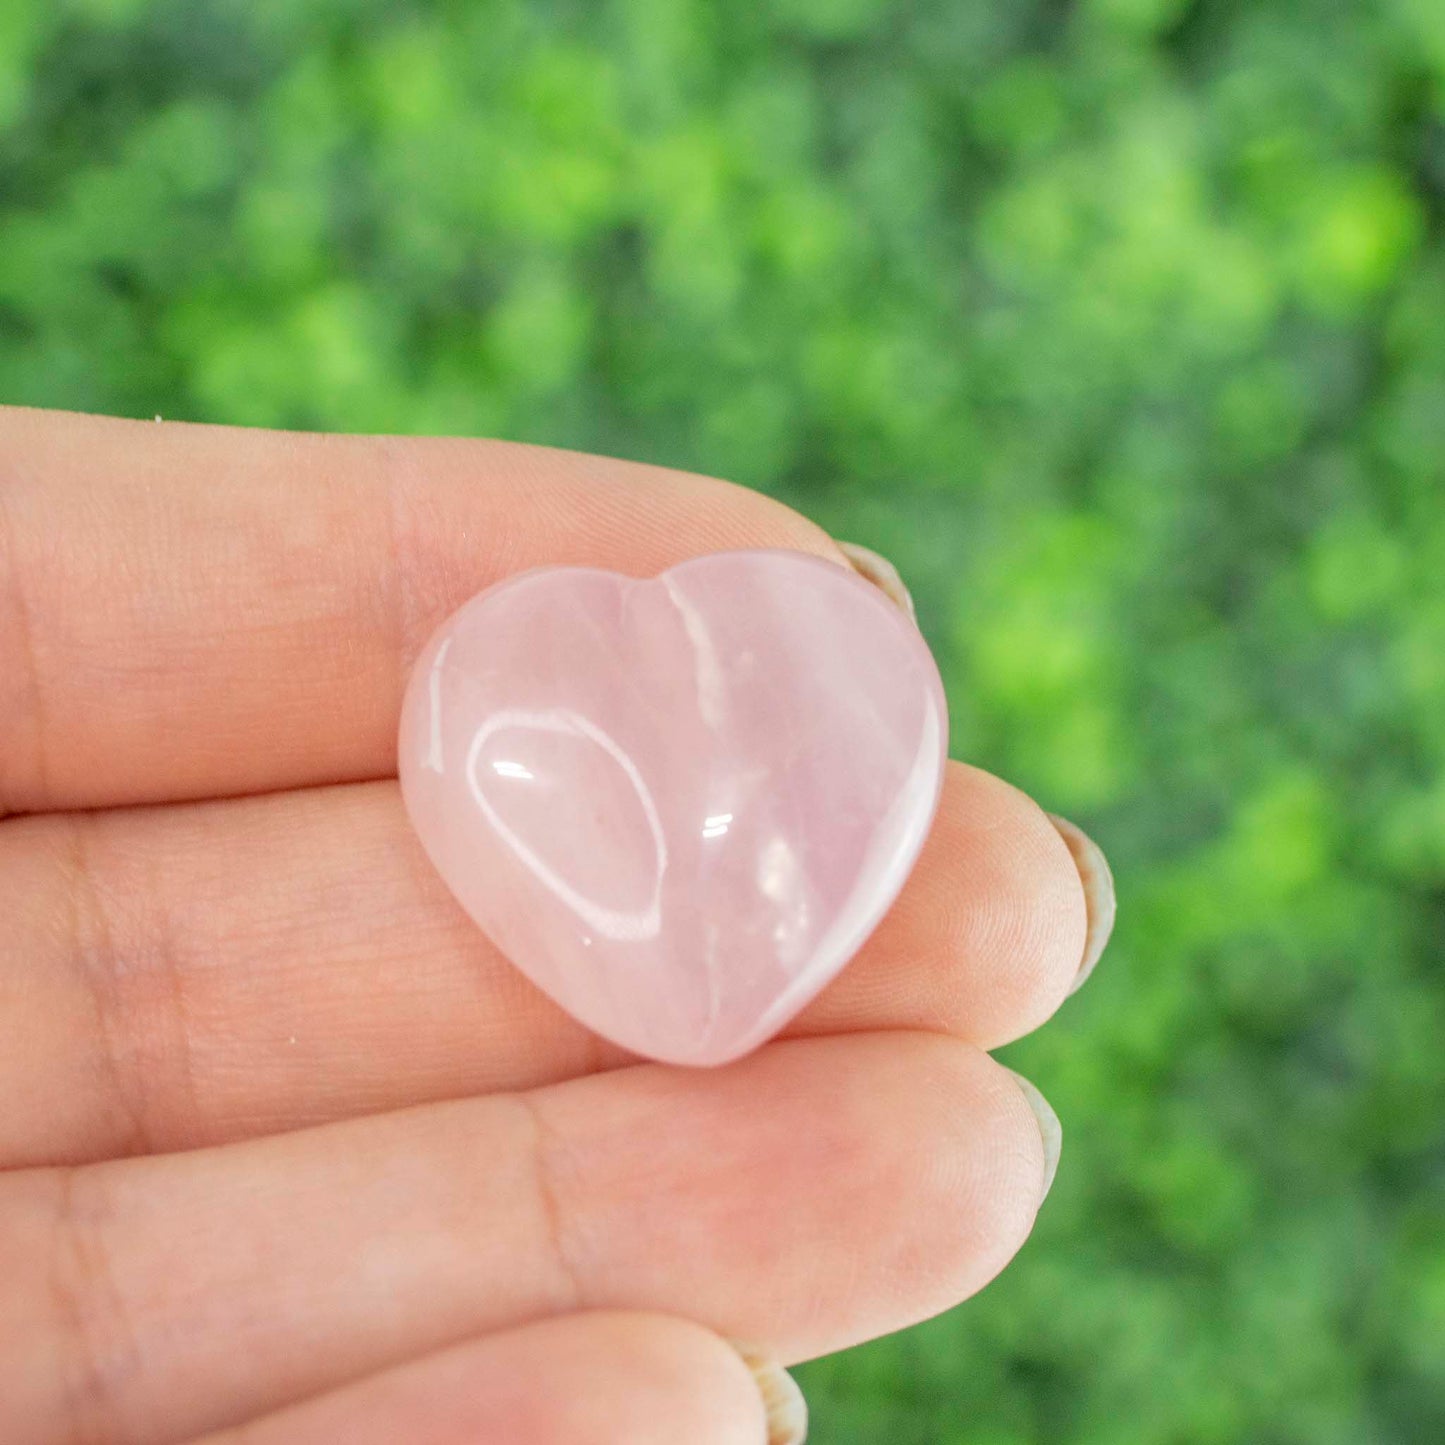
column 292, row 1153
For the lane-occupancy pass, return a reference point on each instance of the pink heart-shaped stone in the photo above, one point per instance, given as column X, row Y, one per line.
column 678, row 805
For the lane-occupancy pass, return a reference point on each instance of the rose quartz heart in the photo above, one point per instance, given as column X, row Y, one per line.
column 677, row 805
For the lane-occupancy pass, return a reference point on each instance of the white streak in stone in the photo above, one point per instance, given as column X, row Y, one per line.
column 707, row 666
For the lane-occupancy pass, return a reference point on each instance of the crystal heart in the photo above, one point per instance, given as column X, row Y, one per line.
column 678, row 805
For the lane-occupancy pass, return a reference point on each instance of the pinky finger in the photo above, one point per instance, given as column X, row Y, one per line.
column 582, row 1379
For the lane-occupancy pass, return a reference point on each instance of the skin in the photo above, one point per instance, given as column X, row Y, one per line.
column 289, row 1153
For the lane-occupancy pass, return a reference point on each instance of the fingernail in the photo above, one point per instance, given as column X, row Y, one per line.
column 1099, row 900
column 786, row 1407
column 1049, row 1127
column 881, row 573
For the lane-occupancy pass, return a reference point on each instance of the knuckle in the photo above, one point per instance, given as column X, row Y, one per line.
column 22, row 757
column 126, row 958
column 97, row 1349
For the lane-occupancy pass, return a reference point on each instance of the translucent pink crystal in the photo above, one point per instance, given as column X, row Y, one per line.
column 678, row 805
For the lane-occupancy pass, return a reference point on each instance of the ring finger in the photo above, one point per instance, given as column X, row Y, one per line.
column 586, row 1379
column 198, row 974
column 816, row 1194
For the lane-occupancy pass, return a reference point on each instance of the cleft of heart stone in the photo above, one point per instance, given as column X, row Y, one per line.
column 678, row 804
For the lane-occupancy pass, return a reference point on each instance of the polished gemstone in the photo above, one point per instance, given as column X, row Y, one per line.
column 679, row 805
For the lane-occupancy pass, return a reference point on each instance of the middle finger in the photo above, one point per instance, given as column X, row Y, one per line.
column 197, row 974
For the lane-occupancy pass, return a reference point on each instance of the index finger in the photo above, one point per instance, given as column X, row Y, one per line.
column 191, row 611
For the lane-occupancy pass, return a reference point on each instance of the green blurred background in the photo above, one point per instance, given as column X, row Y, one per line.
column 1120, row 326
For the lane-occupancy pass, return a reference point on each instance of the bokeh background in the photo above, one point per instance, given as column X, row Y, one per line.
column 1120, row 326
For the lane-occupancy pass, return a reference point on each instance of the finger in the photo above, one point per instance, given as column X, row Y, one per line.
column 199, row 974
column 188, row 611
column 813, row 1195
column 587, row 1379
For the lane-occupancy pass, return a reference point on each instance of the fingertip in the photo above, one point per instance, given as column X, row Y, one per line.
column 984, row 942
column 682, row 1379
column 984, row 1157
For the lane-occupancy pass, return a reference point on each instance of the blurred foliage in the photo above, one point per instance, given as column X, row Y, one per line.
column 1120, row 326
